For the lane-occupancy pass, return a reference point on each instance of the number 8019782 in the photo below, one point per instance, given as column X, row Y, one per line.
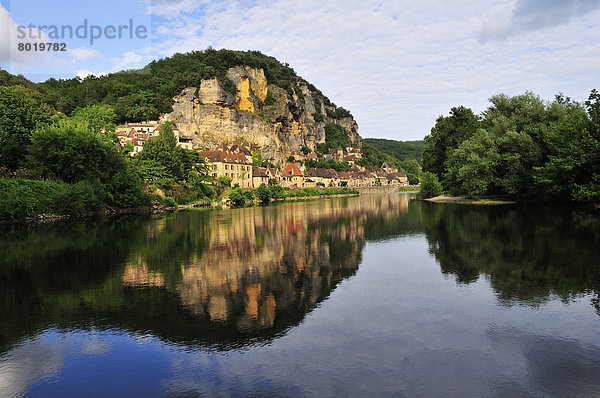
column 42, row 46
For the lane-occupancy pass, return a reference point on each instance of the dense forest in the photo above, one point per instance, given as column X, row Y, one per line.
column 521, row 147
column 143, row 94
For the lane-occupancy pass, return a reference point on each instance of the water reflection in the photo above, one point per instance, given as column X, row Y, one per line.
column 220, row 278
column 529, row 254
column 481, row 300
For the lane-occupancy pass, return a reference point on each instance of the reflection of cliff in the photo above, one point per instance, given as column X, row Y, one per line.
column 262, row 262
column 217, row 278
column 527, row 253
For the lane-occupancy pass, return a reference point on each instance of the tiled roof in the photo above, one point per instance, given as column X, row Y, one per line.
column 323, row 173
column 259, row 172
column 224, row 157
column 291, row 170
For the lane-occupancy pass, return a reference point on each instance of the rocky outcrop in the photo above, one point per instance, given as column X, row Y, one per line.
column 262, row 115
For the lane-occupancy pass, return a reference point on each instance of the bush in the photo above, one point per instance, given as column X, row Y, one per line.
column 168, row 201
column 20, row 198
column 430, row 186
column 238, row 196
column 125, row 189
column 277, row 191
column 263, row 193
column 206, row 190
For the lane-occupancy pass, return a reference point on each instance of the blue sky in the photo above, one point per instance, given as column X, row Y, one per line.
column 397, row 65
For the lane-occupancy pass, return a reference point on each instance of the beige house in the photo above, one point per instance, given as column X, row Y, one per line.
column 324, row 177
column 139, row 133
column 259, row 176
column 292, row 176
column 234, row 165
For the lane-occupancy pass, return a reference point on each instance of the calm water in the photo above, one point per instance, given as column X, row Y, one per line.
column 374, row 295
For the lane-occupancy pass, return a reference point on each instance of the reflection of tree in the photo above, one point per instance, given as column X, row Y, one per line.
column 208, row 277
column 528, row 253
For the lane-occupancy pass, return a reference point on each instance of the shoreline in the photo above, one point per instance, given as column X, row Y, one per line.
column 108, row 211
column 472, row 201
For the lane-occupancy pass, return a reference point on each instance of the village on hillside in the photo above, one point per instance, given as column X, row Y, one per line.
column 236, row 162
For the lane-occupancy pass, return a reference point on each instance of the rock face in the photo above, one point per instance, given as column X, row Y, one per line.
column 260, row 114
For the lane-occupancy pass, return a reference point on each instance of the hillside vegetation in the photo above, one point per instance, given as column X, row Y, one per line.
column 143, row 94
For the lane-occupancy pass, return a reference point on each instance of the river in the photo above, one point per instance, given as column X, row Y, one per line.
column 373, row 295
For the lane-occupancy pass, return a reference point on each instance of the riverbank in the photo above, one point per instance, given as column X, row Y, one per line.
column 471, row 201
column 223, row 203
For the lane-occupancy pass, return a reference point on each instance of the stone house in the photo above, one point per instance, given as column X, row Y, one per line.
column 259, row 176
column 234, row 165
column 291, row 176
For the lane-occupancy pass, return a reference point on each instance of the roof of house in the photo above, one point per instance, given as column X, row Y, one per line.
column 334, row 150
column 272, row 170
column 291, row 170
column 396, row 175
column 311, row 156
column 259, row 172
column 322, row 173
column 240, row 149
column 224, row 157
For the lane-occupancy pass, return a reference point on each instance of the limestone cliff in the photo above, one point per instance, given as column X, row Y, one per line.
column 267, row 117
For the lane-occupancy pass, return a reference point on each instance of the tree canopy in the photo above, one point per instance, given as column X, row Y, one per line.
column 521, row 146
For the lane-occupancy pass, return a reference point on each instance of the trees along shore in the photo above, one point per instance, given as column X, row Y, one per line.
column 520, row 147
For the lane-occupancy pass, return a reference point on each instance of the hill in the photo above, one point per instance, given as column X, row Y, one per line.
column 400, row 150
column 213, row 96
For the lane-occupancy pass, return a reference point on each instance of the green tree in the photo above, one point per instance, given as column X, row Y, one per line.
column 239, row 196
column 222, row 183
column 412, row 168
column 164, row 150
column 572, row 171
column 447, row 134
column 22, row 110
column 430, row 186
column 263, row 193
column 97, row 117
column 336, row 136
column 69, row 152
column 471, row 166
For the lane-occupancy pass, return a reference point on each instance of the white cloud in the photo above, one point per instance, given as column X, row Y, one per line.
column 82, row 74
column 83, row 53
column 130, row 60
column 10, row 39
column 173, row 8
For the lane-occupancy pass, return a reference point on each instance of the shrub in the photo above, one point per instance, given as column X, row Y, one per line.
column 168, row 201
column 206, row 190
column 263, row 193
column 430, row 186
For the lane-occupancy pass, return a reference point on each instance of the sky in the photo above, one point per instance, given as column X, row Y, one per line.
column 396, row 65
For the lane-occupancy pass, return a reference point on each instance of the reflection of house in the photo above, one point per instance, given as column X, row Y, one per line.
column 291, row 176
column 228, row 164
